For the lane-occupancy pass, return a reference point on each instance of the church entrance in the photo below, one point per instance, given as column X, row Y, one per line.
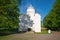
column 29, row 29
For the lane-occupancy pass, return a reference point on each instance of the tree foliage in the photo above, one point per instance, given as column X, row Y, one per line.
column 9, row 13
column 52, row 20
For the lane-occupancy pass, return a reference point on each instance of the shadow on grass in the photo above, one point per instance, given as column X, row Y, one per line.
column 6, row 32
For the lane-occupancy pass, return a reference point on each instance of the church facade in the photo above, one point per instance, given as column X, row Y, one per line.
column 30, row 20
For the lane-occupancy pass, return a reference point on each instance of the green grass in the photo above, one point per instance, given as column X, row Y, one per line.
column 42, row 32
column 4, row 37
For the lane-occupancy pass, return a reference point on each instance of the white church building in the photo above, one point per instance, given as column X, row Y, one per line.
column 30, row 20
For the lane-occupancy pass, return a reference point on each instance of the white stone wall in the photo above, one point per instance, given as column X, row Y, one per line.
column 36, row 19
column 37, row 23
column 30, row 20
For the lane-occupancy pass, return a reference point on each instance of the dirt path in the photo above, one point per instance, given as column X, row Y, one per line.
column 32, row 36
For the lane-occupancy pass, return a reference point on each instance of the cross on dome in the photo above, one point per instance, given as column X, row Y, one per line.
column 30, row 9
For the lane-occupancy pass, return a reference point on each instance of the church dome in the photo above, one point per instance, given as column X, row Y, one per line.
column 30, row 9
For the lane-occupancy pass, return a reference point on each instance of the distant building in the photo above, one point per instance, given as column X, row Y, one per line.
column 30, row 20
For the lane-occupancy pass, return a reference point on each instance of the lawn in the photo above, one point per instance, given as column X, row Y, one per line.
column 42, row 32
column 4, row 37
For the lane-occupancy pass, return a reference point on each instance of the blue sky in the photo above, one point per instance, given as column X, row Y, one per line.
column 42, row 7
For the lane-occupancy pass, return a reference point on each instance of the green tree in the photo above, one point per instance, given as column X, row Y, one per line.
column 52, row 20
column 9, row 13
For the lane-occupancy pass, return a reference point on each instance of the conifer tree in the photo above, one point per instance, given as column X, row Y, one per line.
column 9, row 13
column 52, row 20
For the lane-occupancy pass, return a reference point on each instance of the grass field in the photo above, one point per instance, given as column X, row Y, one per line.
column 42, row 32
